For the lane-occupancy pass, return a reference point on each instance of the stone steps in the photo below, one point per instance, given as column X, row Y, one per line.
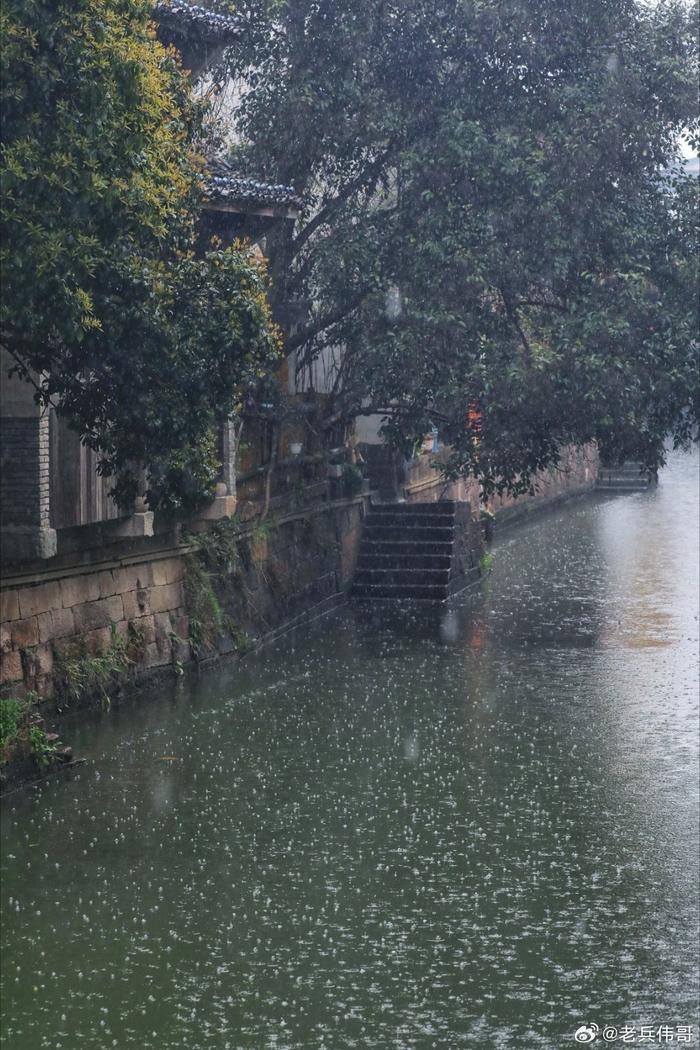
column 406, row 548
column 409, row 533
column 406, row 553
column 625, row 477
column 621, row 485
column 407, row 577
column 382, row 560
column 401, row 592
column 445, row 508
column 411, row 522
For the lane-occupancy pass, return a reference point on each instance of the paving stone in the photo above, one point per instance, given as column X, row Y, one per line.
column 62, row 623
column 169, row 570
column 93, row 615
column 167, row 597
column 107, row 583
column 43, row 656
column 5, row 637
column 136, row 603
column 132, row 578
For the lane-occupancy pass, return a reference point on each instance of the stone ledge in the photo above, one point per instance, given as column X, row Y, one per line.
column 220, row 507
column 28, row 543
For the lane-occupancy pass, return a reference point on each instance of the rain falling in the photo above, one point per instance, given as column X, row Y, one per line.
column 472, row 828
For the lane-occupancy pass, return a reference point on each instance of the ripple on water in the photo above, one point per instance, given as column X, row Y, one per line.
column 475, row 830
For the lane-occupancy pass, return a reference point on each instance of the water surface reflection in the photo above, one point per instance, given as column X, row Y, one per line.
column 472, row 830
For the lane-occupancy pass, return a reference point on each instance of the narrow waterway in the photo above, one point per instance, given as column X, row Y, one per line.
column 479, row 830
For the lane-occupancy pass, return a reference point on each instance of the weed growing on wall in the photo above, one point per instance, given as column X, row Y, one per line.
column 203, row 606
column 211, row 566
column 12, row 713
column 21, row 730
column 486, row 563
column 41, row 748
column 86, row 675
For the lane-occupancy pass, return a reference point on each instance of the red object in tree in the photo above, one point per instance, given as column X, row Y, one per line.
column 474, row 419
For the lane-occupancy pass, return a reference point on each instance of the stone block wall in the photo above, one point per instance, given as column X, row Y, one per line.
column 47, row 620
column 577, row 471
column 280, row 573
column 286, row 572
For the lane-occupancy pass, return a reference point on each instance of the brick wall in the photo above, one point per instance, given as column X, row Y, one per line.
column 24, row 475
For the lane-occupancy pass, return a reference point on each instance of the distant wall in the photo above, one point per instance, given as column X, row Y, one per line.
column 576, row 473
column 421, row 482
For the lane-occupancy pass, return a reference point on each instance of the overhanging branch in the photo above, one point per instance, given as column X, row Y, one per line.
column 367, row 179
column 324, row 321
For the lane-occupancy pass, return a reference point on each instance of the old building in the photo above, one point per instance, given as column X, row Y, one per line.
column 50, row 484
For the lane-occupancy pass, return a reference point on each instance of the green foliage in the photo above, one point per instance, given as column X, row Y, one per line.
column 142, row 341
column 212, row 570
column 20, row 728
column 203, row 606
column 260, row 530
column 12, row 711
column 494, row 216
column 41, row 749
column 352, row 478
column 216, row 549
column 486, row 563
column 87, row 676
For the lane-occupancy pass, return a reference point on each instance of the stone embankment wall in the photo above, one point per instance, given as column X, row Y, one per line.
column 156, row 611
column 48, row 622
column 161, row 606
column 576, row 473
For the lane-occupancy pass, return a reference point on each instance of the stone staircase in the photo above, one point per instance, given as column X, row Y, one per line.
column 412, row 551
column 625, row 477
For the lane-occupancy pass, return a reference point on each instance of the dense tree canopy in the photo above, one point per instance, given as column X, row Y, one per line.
column 141, row 342
column 495, row 215
column 494, row 218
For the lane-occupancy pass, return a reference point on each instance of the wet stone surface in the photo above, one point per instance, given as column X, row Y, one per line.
column 471, row 829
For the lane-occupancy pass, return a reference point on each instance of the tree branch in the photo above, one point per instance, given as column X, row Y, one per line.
column 372, row 172
column 512, row 315
column 24, row 372
column 325, row 321
column 559, row 307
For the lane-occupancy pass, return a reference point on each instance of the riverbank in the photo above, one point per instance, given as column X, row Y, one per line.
column 442, row 830
column 83, row 632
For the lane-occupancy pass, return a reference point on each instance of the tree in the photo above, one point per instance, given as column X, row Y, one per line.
column 494, row 215
column 141, row 341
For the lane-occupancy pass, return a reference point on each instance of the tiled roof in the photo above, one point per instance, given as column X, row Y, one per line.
column 223, row 185
column 178, row 15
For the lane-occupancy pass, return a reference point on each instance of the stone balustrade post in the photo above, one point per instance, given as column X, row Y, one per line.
column 224, row 503
column 140, row 521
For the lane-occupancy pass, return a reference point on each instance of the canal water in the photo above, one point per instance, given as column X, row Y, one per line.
column 478, row 829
